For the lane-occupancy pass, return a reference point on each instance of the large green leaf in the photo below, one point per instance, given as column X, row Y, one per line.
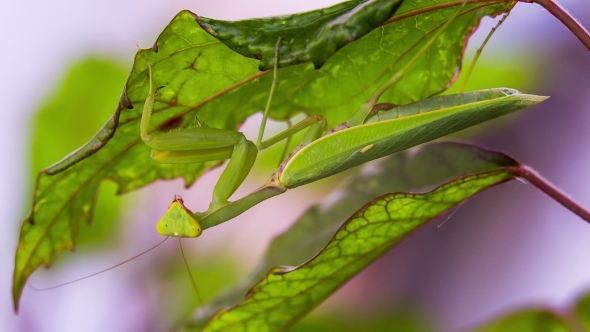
column 200, row 74
column 419, row 169
column 286, row 294
column 313, row 36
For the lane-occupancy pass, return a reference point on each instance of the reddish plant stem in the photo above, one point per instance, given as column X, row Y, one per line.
column 569, row 21
column 545, row 186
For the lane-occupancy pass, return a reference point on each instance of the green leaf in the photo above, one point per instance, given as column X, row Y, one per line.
column 399, row 319
column 89, row 85
column 542, row 319
column 201, row 75
column 286, row 294
column 582, row 311
column 532, row 320
column 419, row 169
column 312, row 36
column 353, row 73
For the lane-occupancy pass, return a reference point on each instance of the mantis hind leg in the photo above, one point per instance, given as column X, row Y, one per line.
column 239, row 165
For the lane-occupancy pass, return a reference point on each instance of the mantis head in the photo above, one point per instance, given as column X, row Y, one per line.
column 178, row 221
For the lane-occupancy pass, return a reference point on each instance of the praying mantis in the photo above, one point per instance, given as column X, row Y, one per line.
column 373, row 131
column 382, row 133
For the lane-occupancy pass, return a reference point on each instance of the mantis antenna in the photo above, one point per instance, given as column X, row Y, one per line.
column 479, row 50
column 127, row 261
column 190, row 273
column 101, row 271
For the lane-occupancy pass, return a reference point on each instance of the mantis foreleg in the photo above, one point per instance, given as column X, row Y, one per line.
column 200, row 144
column 241, row 162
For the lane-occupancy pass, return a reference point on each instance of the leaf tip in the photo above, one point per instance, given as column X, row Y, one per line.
column 17, row 289
column 534, row 99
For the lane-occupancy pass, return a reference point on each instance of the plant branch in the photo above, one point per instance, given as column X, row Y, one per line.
column 545, row 186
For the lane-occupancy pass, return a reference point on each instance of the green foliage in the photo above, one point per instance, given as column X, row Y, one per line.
column 582, row 310
column 201, row 76
column 574, row 318
column 89, row 88
column 540, row 320
column 286, row 294
column 400, row 321
column 313, row 36
column 234, row 89
column 403, row 172
column 69, row 119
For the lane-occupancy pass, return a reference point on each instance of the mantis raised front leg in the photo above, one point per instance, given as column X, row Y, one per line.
column 200, row 144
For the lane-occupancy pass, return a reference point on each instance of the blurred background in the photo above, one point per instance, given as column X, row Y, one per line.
column 510, row 247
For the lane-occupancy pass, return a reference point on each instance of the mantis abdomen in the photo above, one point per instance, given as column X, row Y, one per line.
column 398, row 129
column 440, row 102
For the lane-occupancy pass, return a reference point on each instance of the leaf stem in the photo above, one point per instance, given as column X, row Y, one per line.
column 569, row 21
column 545, row 186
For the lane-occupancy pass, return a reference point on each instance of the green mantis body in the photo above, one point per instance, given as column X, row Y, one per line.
column 200, row 144
column 368, row 134
column 381, row 133
column 397, row 129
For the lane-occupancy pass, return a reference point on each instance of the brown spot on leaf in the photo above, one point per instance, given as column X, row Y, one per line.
column 191, row 66
column 124, row 100
column 173, row 123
